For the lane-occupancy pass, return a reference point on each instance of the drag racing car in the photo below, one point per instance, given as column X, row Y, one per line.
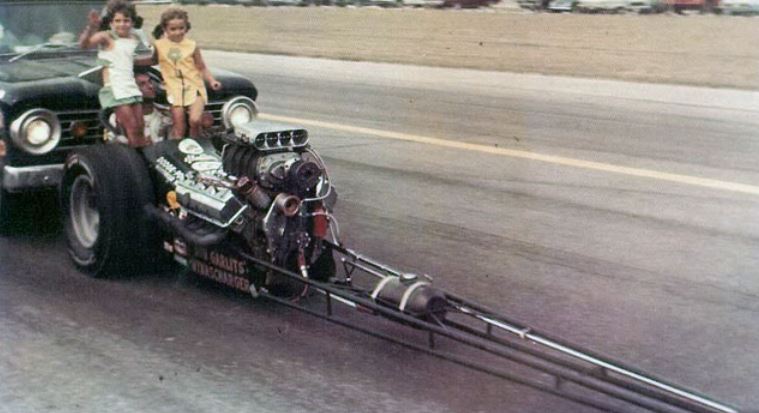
column 257, row 216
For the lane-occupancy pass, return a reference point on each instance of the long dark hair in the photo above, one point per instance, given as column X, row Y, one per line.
column 119, row 6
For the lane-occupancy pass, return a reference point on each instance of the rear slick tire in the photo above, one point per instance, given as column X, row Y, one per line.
column 103, row 192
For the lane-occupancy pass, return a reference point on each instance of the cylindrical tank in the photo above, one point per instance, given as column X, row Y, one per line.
column 411, row 296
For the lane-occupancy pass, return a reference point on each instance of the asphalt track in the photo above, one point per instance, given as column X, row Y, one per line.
column 618, row 215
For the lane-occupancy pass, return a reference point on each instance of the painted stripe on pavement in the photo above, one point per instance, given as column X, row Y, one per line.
column 533, row 156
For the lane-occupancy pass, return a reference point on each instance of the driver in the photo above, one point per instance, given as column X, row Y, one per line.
column 157, row 119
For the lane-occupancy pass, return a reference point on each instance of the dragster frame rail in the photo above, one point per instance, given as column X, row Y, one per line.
column 580, row 375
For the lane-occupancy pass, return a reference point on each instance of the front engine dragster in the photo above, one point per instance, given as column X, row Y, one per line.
column 258, row 217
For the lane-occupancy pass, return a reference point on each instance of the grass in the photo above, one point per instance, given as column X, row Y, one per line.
column 699, row 50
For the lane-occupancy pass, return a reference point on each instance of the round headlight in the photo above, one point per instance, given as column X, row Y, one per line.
column 238, row 111
column 240, row 115
column 36, row 131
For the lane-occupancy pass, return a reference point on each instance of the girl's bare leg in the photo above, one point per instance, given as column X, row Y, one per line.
column 196, row 117
column 130, row 118
column 177, row 116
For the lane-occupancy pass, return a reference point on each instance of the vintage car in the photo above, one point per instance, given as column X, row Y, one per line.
column 48, row 94
column 466, row 4
column 559, row 6
column 533, row 4
column 611, row 6
column 703, row 6
column 739, row 7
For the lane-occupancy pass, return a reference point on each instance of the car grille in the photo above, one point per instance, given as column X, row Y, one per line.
column 95, row 129
column 215, row 109
column 90, row 118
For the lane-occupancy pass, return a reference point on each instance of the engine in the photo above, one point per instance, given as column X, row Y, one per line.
column 284, row 181
column 267, row 192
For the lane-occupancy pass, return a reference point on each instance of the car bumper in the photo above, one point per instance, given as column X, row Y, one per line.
column 17, row 179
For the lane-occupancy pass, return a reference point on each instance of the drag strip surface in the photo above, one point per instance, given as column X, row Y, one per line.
column 659, row 273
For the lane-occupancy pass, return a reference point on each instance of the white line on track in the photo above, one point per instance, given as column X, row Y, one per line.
column 558, row 160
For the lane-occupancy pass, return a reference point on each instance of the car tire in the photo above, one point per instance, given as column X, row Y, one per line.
column 103, row 191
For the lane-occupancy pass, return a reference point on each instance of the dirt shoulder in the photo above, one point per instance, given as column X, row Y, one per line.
column 705, row 50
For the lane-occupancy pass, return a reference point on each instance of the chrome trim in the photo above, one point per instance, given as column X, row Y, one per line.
column 91, row 70
column 16, row 179
column 216, row 221
column 85, row 217
column 19, row 125
column 233, row 103
column 268, row 136
column 89, row 118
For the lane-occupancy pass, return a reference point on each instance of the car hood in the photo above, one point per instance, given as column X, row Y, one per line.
column 26, row 70
column 52, row 82
column 55, row 83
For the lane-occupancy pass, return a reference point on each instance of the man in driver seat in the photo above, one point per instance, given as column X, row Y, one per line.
column 157, row 119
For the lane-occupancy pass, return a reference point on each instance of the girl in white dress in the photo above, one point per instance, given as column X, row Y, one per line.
column 117, row 55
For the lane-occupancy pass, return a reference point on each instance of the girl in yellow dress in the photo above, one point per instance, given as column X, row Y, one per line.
column 183, row 70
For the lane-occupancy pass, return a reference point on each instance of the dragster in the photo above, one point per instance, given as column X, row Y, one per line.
column 252, row 208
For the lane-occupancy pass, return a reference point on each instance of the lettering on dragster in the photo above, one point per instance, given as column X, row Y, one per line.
column 219, row 275
column 228, row 263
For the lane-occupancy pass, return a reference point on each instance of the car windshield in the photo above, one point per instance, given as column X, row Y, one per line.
column 42, row 25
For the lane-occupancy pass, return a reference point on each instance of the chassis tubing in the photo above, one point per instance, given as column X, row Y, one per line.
column 448, row 357
column 395, row 315
column 631, row 393
column 657, row 388
column 170, row 223
column 663, row 390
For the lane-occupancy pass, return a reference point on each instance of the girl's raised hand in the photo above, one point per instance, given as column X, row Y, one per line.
column 215, row 85
column 93, row 19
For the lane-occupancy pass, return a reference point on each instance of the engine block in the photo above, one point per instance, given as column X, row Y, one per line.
column 192, row 169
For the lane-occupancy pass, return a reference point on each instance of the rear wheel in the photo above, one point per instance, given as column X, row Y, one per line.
column 103, row 192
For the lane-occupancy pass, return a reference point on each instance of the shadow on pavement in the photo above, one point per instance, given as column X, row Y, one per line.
column 35, row 214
